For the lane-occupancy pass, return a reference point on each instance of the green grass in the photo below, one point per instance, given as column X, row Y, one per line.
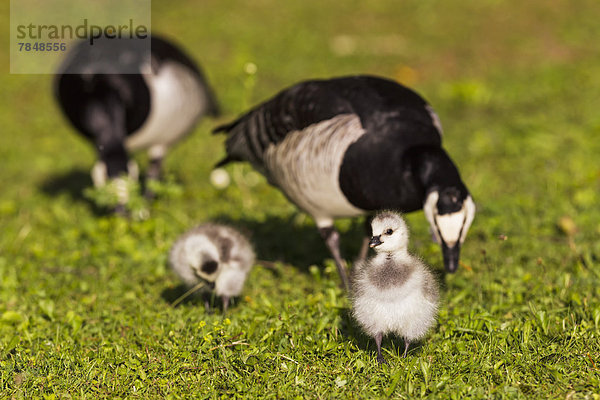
column 85, row 298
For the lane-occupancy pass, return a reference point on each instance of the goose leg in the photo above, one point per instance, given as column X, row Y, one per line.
column 114, row 157
column 120, row 210
column 225, row 303
column 208, row 302
column 406, row 344
column 378, row 339
column 364, row 248
column 153, row 174
column 332, row 240
column 154, row 169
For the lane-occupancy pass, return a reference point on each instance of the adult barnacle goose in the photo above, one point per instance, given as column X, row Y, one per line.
column 122, row 100
column 348, row 146
column 393, row 292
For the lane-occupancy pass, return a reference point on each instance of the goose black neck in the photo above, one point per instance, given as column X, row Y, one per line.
column 435, row 170
column 105, row 119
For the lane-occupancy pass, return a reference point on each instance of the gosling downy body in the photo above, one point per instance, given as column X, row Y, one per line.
column 216, row 254
column 393, row 292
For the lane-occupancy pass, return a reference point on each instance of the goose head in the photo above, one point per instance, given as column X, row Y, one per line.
column 390, row 233
column 203, row 257
column 450, row 212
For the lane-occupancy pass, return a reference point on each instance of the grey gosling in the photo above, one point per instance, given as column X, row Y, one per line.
column 393, row 292
column 216, row 254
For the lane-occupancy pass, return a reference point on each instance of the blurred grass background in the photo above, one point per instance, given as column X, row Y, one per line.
column 85, row 298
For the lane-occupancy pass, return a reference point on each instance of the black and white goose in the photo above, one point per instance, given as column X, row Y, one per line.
column 349, row 146
column 152, row 106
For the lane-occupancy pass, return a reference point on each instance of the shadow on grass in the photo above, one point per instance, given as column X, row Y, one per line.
column 199, row 299
column 391, row 343
column 279, row 239
column 350, row 329
column 72, row 183
column 171, row 294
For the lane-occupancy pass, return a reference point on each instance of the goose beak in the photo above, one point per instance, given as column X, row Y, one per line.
column 375, row 241
column 451, row 255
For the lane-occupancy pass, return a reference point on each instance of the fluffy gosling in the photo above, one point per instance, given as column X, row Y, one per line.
column 393, row 292
column 216, row 254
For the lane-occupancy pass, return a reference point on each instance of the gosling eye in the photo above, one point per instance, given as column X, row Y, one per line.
column 389, row 232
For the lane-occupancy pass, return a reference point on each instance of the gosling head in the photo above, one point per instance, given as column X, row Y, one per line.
column 203, row 258
column 390, row 233
column 450, row 212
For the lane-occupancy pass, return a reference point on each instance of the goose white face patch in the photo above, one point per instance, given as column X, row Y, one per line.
column 450, row 228
column 430, row 210
column 469, row 207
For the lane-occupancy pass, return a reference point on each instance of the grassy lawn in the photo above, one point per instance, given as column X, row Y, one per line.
column 85, row 298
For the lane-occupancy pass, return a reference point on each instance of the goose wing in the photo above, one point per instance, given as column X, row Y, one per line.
column 269, row 123
column 382, row 105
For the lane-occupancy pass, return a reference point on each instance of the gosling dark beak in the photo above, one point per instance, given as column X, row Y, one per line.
column 451, row 256
column 375, row 241
column 210, row 285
